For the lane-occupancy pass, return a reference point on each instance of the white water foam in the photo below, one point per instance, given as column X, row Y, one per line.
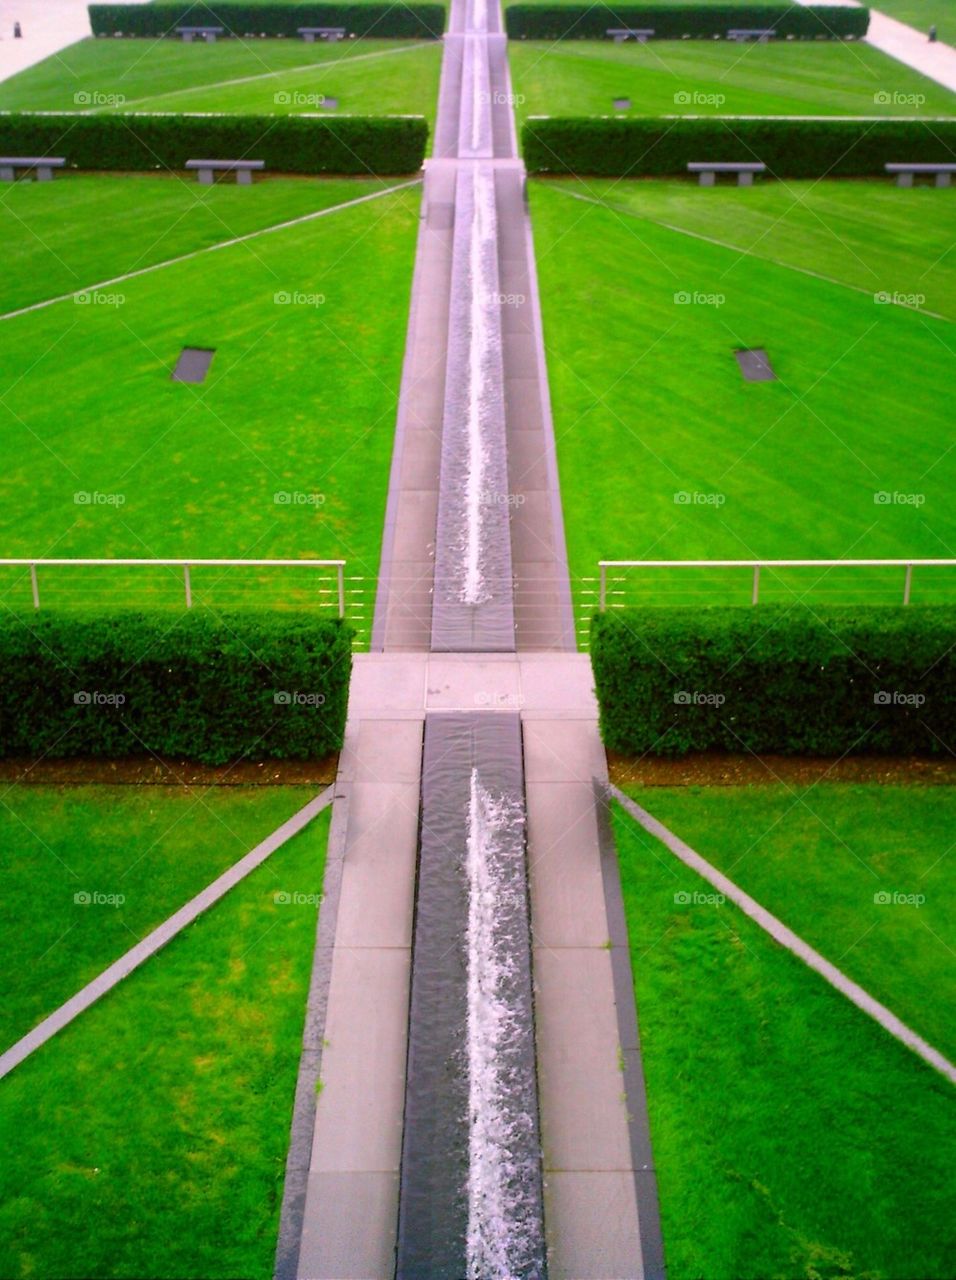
column 483, row 337
column 498, row 1233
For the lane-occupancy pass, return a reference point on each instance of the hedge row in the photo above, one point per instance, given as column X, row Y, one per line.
column 790, row 147
column 401, row 21
column 674, row 22
column 207, row 688
column 771, row 679
column 288, row 144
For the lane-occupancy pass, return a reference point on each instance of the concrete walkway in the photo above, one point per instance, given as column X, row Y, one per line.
column 906, row 44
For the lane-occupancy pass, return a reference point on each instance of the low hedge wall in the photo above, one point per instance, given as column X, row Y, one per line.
column 203, row 687
column 791, row 147
column 399, row 21
column 674, row 22
column 288, row 144
column 772, row 679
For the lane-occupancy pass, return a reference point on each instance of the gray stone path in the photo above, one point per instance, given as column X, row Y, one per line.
column 48, row 26
column 906, row 44
column 160, row 936
column 787, row 938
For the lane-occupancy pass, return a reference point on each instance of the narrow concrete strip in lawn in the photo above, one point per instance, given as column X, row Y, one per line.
column 161, row 935
column 223, row 244
column 787, row 938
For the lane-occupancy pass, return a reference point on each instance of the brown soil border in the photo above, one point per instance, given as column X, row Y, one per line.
column 718, row 769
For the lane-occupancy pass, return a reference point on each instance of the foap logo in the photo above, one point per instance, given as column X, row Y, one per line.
column 298, row 498
column 294, row 298
column 296, row 99
column 94, row 98
column 891, row 898
column 499, row 99
column 693, row 898
column 886, row 299
column 88, row 498
column 98, row 298
column 687, row 298
column 293, row 898
column 894, row 98
column 687, row 499
column 499, row 701
column 489, row 498
column 691, row 98
column 507, row 299
column 94, row 898
column 97, row 698
column 698, row 698
column 887, row 498
column 296, row 698
column 896, row 698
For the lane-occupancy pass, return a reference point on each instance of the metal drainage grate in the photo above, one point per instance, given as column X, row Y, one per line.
column 755, row 365
column 193, row 364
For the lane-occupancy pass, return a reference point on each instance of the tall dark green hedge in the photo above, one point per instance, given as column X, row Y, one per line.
column 401, row 21
column 778, row 680
column 196, row 686
column 288, row 144
column 675, row 21
column 639, row 146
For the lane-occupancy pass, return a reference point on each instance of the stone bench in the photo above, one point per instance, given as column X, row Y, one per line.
column 208, row 33
column 44, row 166
column 243, row 169
column 905, row 173
column 708, row 170
column 761, row 34
column 620, row 34
column 308, row 34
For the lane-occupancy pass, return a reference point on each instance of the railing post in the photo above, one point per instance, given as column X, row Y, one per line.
column 35, row 586
column 340, row 574
column 756, row 591
column 908, row 582
column 602, row 598
column 188, row 585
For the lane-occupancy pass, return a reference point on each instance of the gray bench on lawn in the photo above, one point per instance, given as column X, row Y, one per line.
column 640, row 34
column 708, row 170
column 308, row 34
column 761, row 34
column 243, row 169
column 905, row 173
column 208, row 33
column 44, row 166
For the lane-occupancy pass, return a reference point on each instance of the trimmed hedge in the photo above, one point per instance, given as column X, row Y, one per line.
column 772, row 679
column 383, row 21
column 363, row 145
column 791, row 147
column 194, row 686
column 674, row 22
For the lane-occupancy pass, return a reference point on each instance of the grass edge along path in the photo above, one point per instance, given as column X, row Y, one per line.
column 161, row 935
column 787, row 938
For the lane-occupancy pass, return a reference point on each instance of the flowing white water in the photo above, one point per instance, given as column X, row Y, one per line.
column 499, row 1224
column 482, row 347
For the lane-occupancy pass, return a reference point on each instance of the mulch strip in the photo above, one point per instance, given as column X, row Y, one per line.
column 715, row 769
column 148, row 771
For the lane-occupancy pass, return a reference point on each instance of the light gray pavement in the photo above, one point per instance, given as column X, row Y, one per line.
column 906, row 44
column 48, row 26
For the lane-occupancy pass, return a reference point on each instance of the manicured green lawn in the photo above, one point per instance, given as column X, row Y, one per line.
column 824, row 859
column 792, row 1136
column 665, row 452
column 284, row 451
column 369, row 77
column 149, row 1137
column 55, row 242
column 697, row 77
column 154, row 847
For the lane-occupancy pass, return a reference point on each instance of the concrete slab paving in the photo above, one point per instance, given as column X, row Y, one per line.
column 593, row 1218
column 48, row 27
column 355, row 1241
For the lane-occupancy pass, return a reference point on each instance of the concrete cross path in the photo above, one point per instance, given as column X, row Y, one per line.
column 48, row 26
